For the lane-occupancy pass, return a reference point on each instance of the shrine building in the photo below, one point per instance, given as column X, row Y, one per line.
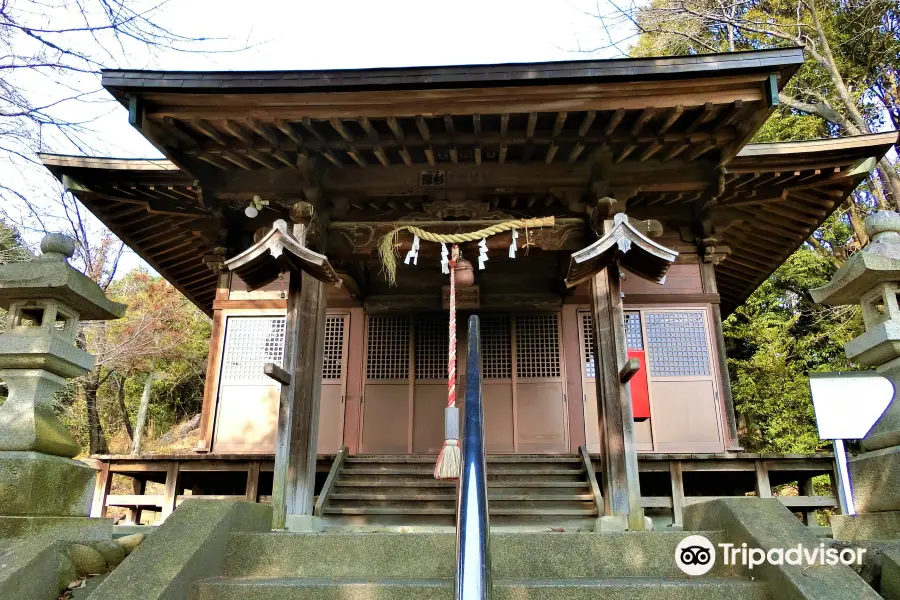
column 644, row 217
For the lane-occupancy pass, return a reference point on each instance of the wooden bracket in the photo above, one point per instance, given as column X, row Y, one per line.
column 277, row 373
column 629, row 370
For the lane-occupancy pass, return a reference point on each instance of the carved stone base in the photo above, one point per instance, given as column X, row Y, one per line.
column 876, row 480
column 866, row 526
column 35, row 484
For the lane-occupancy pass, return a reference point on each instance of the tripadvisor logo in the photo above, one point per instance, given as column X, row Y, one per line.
column 696, row 555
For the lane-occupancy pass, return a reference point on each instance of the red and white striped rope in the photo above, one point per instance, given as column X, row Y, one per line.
column 451, row 358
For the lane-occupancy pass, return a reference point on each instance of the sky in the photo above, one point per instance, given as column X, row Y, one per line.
column 299, row 34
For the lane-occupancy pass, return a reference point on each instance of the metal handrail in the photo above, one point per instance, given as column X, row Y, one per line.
column 473, row 559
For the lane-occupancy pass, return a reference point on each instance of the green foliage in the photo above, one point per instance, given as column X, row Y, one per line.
column 773, row 341
column 787, row 126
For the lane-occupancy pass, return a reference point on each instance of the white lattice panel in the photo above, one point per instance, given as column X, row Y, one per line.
column 677, row 344
column 432, row 335
column 333, row 363
column 537, row 346
column 496, row 347
column 251, row 342
column 587, row 338
column 633, row 337
column 387, row 351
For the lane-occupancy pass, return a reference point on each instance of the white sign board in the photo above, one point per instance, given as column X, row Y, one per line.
column 848, row 404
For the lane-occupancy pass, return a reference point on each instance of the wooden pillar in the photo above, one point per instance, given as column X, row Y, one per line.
column 294, row 476
column 622, row 490
column 763, row 487
column 135, row 512
column 101, row 490
column 170, row 495
column 807, row 489
column 251, row 492
column 213, row 364
column 675, row 472
column 708, row 280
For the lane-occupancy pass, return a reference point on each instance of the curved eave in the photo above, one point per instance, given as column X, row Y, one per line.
column 152, row 207
column 778, row 195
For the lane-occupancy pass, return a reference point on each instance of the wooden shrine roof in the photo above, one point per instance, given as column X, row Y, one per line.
column 773, row 197
column 210, row 123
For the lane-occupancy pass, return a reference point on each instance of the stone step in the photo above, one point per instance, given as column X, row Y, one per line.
column 628, row 588
column 376, row 482
column 432, row 555
column 428, row 472
column 339, row 494
column 491, row 459
column 394, row 508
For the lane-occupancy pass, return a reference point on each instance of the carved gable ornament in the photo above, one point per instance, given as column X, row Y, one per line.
column 277, row 251
column 627, row 246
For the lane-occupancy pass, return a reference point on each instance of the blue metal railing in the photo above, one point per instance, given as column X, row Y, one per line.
column 473, row 559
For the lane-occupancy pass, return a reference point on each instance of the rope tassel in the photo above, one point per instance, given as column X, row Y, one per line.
column 449, row 461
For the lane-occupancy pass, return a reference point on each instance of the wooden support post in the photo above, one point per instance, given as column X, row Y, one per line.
column 135, row 512
column 294, row 477
column 622, row 490
column 252, row 490
column 806, row 489
column 101, row 490
column 763, row 487
column 170, row 495
column 708, row 281
column 677, row 493
column 285, row 403
column 307, row 396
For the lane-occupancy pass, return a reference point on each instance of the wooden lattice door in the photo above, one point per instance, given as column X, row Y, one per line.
column 539, row 397
column 247, row 405
column 334, row 384
column 387, row 400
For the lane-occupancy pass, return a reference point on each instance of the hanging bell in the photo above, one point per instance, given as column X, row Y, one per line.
column 463, row 274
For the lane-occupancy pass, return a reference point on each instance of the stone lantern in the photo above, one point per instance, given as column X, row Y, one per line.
column 871, row 278
column 46, row 298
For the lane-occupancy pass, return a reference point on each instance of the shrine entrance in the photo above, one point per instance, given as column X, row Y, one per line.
column 406, row 384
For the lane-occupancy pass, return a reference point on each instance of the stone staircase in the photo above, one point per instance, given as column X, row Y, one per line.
column 420, row 566
column 523, row 489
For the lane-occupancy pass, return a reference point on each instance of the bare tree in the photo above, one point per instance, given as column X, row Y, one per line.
column 868, row 28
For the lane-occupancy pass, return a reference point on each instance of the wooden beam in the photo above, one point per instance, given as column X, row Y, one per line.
column 705, row 114
column 674, row 114
column 208, row 130
column 586, row 122
column 614, row 121
column 275, row 372
column 311, row 128
column 645, row 116
column 629, row 370
column 341, row 130
column 559, row 123
column 233, row 129
column 288, row 130
column 262, row 130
